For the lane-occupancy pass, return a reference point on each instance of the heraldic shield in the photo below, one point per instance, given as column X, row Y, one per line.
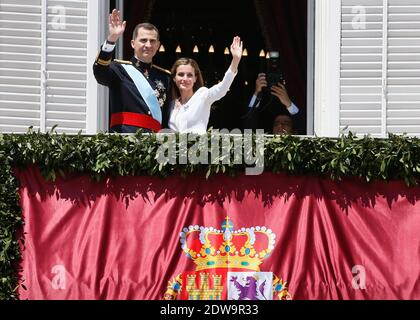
column 227, row 265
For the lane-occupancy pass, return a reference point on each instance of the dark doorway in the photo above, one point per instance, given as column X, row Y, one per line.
column 279, row 25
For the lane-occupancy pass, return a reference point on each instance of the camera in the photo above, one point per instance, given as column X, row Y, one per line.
column 274, row 75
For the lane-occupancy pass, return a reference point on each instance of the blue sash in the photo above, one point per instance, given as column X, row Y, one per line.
column 146, row 91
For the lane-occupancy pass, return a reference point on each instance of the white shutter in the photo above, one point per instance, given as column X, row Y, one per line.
column 66, row 63
column 403, row 94
column 380, row 67
column 361, row 67
column 20, row 65
column 44, row 65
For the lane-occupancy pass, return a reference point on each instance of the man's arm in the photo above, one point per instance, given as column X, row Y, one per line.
column 260, row 83
column 101, row 67
column 280, row 92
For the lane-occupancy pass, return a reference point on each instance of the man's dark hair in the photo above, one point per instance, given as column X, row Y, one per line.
column 147, row 26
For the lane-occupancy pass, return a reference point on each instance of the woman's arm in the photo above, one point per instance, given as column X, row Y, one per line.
column 219, row 90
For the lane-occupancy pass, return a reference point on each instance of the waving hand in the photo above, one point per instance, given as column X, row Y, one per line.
column 116, row 26
column 236, row 50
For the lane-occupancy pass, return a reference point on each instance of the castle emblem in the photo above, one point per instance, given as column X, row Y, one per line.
column 227, row 265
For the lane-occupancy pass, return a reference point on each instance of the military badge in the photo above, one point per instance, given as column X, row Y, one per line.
column 160, row 92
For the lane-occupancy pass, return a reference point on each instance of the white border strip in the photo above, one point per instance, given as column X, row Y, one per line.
column 327, row 68
column 384, row 122
column 97, row 95
column 311, row 68
column 44, row 74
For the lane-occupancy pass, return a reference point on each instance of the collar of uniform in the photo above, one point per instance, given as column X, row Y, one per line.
column 141, row 65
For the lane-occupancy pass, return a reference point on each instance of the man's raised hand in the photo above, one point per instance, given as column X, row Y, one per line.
column 116, row 26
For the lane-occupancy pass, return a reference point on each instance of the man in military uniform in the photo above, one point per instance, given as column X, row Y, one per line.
column 140, row 91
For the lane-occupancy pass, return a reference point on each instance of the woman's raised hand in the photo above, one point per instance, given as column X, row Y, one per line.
column 236, row 48
column 236, row 51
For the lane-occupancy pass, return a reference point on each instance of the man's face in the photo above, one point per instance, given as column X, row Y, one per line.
column 283, row 125
column 145, row 45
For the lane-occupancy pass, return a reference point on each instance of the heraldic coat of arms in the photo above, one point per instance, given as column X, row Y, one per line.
column 227, row 265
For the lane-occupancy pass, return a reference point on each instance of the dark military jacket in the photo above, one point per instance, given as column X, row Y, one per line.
column 124, row 95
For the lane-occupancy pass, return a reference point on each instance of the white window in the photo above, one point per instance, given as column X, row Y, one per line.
column 366, row 75
column 20, row 64
column 403, row 76
column 47, row 48
column 380, row 67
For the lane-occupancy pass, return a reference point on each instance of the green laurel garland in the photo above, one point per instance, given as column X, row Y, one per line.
column 396, row 158
column 10, row 224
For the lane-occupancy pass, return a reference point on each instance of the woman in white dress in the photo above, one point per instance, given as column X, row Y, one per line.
column 190, row 111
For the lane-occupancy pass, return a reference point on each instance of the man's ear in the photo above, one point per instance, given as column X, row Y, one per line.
column 132, row 44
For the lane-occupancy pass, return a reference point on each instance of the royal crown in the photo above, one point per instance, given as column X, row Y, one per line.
column 227, row 248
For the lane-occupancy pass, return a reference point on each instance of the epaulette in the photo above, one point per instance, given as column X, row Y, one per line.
column 161, row 69
column 122, row 61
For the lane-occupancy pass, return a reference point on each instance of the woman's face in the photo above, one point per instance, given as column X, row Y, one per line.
column 185, row 78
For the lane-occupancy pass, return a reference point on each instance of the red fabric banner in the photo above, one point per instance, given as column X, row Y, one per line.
column 271, row 236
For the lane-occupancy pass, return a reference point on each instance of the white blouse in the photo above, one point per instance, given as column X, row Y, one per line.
column 193, row 117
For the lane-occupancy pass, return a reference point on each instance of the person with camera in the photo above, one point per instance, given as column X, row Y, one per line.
column 270, row 106
column 278, row 90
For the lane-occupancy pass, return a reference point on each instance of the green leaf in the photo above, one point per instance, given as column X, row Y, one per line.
column 208, row 173
column 383, row 166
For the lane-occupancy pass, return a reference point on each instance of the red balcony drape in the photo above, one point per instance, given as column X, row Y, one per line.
column 122, row 238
